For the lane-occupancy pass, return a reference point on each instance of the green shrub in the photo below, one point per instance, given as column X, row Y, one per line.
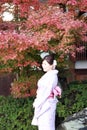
column 74, row 99
column 16, row 114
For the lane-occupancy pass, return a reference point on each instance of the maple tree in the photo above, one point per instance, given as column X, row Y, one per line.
column 50, row 25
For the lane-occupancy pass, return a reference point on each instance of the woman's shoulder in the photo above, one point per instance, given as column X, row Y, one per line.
column 52, row 72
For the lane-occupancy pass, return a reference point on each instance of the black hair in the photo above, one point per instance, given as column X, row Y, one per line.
column 49, row 58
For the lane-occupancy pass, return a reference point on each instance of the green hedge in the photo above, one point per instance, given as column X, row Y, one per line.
column 16, row 114
column 74, row 99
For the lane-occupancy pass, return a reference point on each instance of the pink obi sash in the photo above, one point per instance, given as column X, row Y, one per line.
column 55, row 92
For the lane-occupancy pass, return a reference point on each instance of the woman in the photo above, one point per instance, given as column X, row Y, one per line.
column 45, row 101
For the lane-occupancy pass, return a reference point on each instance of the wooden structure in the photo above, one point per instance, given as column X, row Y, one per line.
column 78, row 69
column 5, row 83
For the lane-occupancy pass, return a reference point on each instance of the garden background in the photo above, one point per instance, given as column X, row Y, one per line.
column 37, row 27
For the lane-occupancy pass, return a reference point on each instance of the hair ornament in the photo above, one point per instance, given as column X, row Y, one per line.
column 54, row 62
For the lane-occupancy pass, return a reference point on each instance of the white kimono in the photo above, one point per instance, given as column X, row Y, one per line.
column 45, row 106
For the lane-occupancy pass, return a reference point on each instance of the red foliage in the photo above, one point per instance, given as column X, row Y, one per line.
column 43, row 25
column 20, row 89
column 74, row 4
column 48, row 27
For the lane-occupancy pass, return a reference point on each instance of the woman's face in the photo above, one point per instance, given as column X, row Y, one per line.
column 46, row 66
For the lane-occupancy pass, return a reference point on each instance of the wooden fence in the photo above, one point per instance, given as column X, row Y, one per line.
column 5, row 83
column 82, row 55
